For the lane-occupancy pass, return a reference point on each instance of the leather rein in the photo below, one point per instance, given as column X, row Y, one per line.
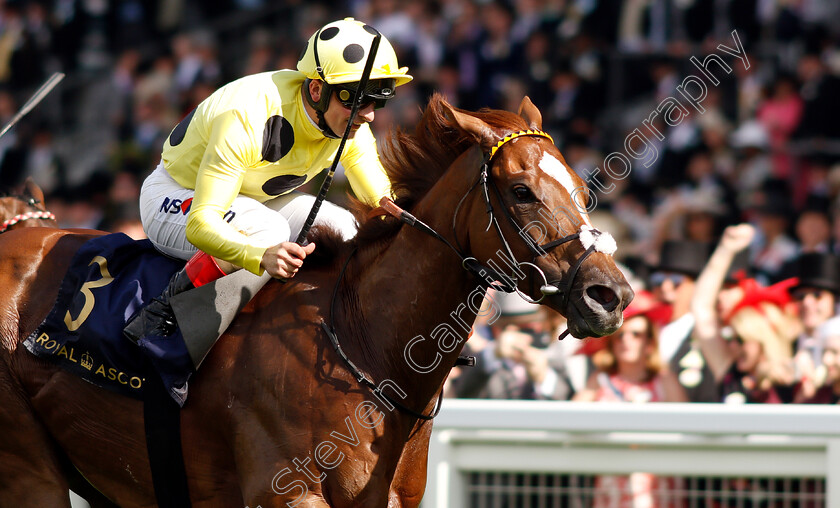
column 487, row 276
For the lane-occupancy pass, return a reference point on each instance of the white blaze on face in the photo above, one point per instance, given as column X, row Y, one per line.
column 552, row 166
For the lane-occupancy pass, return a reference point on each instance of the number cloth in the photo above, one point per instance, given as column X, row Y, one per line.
column 109, row 279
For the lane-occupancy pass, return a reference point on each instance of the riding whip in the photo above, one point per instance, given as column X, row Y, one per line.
column 357, row 102
column 34, row 100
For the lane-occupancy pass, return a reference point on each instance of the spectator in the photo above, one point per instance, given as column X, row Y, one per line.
column 754, row 166
column 628, row 365
column 816, row 292
column 758, row 360
column 772, row 247
column 824, row 387
column 672, row 278
column 813, row 226
column 744, row 333
column 819, row 88
column 519, row 359
column 780, row 115
column 834, row 247
column 679, row 340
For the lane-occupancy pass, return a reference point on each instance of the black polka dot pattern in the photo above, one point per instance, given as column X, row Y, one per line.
column 278, row 139
column 353, row 53
column 284, row 183
column 329, row 33
column 369, row 29
column 180, row 130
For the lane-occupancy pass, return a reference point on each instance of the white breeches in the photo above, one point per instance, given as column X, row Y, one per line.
column 164, row 205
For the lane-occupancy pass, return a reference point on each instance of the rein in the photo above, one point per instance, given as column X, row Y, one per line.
column 359, row 375
column 487, row 277
column 39, row 214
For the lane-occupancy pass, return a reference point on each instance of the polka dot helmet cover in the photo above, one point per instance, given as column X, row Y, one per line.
column 342, row 51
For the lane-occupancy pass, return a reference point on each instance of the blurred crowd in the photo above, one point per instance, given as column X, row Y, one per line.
column 763, row 150
column 763, row 153
column 702, row 328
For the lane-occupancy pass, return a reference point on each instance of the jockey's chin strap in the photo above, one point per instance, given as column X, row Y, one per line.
column 38, row 214
column 486, row 275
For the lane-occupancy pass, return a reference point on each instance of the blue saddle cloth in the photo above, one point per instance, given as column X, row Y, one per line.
column 110, row 278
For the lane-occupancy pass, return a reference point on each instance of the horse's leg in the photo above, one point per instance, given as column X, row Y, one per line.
column 83, row 488
column 30, row 470
column 409, row 481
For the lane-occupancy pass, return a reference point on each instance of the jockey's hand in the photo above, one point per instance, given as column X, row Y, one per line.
column 283, row 260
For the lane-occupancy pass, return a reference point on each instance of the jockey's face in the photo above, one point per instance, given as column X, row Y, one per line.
column 337, row 115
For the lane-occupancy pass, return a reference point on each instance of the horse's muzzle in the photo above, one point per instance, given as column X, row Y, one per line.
column 598, row 308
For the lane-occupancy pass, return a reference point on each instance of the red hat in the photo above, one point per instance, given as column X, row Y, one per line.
column 754, row 295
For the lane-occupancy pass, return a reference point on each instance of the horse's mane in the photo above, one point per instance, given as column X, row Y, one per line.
column 5, row 194
column 414, row 162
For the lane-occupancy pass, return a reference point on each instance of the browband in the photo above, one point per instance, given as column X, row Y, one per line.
column 514, row 135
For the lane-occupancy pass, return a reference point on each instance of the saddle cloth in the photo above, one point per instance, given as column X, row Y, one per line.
column 110, row 278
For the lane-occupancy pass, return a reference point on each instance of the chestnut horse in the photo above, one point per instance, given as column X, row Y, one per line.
column 26, row 211
column 276, row 417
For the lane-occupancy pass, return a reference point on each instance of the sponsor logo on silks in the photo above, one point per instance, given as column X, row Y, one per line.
column 178, row 206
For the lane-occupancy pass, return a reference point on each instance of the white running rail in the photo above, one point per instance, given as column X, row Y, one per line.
column 618, row 438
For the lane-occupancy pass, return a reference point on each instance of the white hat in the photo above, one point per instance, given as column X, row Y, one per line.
column 750, row 134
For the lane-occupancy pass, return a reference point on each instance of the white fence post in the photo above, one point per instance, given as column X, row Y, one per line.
column 445, row 486
column 832, row 473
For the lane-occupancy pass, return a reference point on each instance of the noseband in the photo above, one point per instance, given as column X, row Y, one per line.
column 487, row 276
column 39, row 214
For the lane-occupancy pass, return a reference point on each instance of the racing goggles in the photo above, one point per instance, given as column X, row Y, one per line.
column 377, row 92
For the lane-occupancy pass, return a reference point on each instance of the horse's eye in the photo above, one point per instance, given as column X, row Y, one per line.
column 523, row 194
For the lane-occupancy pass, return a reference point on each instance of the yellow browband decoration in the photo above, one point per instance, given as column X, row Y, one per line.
column 515, row 135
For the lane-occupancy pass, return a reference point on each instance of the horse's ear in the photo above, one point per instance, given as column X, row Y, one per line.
column 477, row 128
column 33, row 190
column 530, row 113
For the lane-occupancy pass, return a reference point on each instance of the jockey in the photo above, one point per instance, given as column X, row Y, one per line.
column 223, row 194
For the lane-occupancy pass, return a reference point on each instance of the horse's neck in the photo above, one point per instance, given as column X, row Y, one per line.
column 419, row 289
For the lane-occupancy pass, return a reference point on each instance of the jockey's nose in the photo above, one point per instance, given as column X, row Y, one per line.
column 367, row 113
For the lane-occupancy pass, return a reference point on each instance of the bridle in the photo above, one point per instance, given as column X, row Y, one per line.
column 487, row 276
column 38, row 214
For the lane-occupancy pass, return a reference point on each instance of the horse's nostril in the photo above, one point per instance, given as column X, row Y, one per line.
column 604, row 296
